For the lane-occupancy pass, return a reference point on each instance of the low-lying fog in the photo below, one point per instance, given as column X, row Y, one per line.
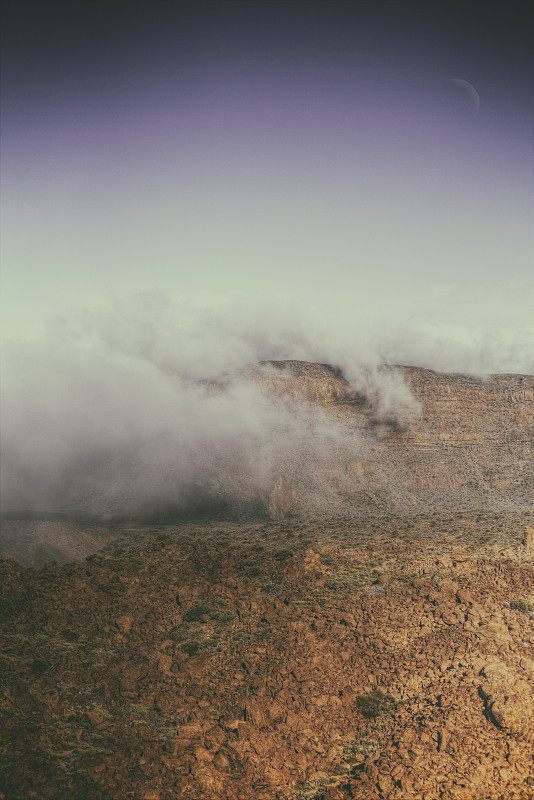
column 142, row 406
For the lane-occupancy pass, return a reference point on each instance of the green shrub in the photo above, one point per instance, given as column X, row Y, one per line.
column 38, row 666
column 376, row 704
column 362, row 746
column 196, row 612
column 179, row 633
column 283, row 555
column 70, row 636
column 191, row 648
column 524, row 606
column 227, row 618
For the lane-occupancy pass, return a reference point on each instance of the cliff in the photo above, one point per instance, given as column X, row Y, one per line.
column 471, row 445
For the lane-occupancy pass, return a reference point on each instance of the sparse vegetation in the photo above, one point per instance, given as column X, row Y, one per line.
column 164, row 727
column 283, row 555
column 362, row 746
column 375, row 704
column 228, row 618
column 98, row 707
column 39, row 666
column 522, row 605
column 305, row 786
column 191, row 648
column 70, row 636
column 196, row 612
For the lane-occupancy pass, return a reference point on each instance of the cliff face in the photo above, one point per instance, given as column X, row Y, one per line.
column 470, row 446
column 467, row 444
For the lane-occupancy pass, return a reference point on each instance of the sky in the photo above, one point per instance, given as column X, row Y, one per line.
column 330, row 159
column 191, row 188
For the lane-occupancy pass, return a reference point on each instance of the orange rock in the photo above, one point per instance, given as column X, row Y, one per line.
column 509, row 699
column 201, row 754
column 208, row 780
column 125, row 622
column 221, row 762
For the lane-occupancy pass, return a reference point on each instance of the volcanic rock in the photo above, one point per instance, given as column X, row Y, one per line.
column 284, row 671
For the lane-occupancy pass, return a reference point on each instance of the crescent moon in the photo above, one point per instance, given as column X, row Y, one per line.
column 470, row 90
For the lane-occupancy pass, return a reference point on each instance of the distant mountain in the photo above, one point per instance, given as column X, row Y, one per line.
column 460, row 444
column 470, row 446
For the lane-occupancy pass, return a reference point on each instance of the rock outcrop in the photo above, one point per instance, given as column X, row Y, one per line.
column 470, row 446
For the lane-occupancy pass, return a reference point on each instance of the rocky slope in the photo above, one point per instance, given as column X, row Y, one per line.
column 470, row 445
column 374, row 640
column 358, row 658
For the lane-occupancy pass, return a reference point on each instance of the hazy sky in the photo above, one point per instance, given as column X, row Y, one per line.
column 318, row 151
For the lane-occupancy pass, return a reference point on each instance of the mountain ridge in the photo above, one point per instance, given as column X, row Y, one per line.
column 467, row 443
column 402, row 466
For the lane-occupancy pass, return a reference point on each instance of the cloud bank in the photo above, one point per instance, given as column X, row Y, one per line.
column 143, row 407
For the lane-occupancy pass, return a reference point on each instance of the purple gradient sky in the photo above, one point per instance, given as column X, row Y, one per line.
column 319, row 151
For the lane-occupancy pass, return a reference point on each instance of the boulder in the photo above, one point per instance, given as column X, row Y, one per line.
column 509, row 699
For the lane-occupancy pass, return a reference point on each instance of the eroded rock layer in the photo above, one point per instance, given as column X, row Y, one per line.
column 467, row 443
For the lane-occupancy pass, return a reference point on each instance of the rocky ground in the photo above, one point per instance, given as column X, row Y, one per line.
column 386, row 657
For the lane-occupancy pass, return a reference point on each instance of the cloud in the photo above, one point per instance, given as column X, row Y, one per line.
column 144, row 406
